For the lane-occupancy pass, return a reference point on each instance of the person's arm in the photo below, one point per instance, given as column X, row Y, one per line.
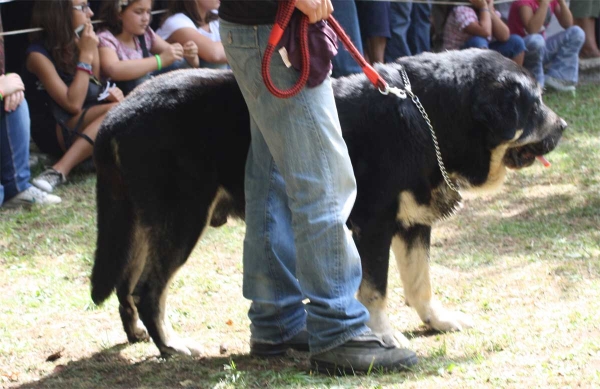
column 208, row 50
column 563, row 14
column 534, row 21
column 71, row 97
column 500, row 30
column 131, row 69
column 11, row 87
column 483, row 26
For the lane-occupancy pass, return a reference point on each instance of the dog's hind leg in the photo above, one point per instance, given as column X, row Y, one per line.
column 411, row 249
column 171, row 241
column 166, row 257
column 134, row 328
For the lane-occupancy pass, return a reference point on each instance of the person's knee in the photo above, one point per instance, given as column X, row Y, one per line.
column 476, row 42
column 535, row 42
column 576, row 34
column 516, row 45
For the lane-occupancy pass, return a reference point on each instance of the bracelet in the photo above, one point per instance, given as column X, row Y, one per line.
column 88, row 71
column 86, row 67
column 158, row 62
column 1, row 95
column 485, row 9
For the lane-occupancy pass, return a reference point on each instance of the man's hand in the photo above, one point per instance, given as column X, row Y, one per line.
column 316, row 10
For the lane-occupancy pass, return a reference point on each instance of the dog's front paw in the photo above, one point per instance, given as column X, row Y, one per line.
column 396, row 338
column 443, row 320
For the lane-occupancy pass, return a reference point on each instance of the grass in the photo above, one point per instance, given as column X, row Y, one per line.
column 524, row 262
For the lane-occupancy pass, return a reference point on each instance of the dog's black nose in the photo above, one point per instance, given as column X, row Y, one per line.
column 563, row 124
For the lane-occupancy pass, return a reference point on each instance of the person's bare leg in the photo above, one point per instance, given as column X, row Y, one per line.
column 376, row 49
column 590, row 46
column 81, row 149
column 518, row 59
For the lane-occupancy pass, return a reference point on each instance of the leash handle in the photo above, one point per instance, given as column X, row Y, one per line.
column 284, row 14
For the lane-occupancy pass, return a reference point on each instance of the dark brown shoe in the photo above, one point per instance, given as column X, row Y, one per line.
column 299, row 343
column 363, row 354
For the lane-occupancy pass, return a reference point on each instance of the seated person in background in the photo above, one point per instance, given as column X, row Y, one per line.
column 15, row 189
column 585, row 13
column 558, row 54
column 480, row 26
column 195, row 20
column 61, row 79
column 130, row 51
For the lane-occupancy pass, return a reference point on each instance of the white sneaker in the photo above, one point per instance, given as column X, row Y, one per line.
column 558, row 84
column 32, row 196
column 49, row 180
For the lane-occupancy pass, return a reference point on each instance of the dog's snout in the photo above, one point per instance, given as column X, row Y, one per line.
column 563, row 124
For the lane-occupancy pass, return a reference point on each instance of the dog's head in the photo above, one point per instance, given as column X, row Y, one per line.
column 512, row 109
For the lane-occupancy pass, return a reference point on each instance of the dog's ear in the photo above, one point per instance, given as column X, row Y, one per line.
column 496, row 108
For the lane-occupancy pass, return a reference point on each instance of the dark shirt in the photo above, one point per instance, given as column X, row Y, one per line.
column 249, row 12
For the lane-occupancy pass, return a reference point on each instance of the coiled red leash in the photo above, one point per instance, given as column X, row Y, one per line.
column 284, row 14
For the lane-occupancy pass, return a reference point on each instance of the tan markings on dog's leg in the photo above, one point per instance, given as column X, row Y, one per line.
column 378, row 321
column 115, row 149
column 413, row 264
column 135, row 329
column 411, row 213
column 173, row 342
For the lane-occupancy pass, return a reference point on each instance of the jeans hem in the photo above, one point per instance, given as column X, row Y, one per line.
column 339, row 341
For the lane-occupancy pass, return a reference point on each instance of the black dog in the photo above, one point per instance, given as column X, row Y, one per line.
column 170, row 160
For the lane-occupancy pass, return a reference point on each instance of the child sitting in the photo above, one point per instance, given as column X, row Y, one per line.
column 197, row 21
column 558, row 55
column 130, row 51
column 61, row 80
column 480, row 26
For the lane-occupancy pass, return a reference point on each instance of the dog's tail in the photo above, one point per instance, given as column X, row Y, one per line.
column 115, row 219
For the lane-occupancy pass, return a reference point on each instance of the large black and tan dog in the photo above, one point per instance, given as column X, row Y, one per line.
column 170, row 161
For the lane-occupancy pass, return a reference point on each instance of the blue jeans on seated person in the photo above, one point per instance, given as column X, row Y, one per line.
column 346, row 15
column 300, row 189
column 411, row 30
column 14, row 151
column 557, row 55
column 510, row 49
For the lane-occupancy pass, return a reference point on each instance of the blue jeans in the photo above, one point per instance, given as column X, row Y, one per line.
column 345, row 13
column 14, row 151
column 558, row 55
column 510, row 49
column 411, row 30
column 300, row 189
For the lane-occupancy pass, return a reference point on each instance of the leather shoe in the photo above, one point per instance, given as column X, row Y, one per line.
column 362, row 354
column 298, row 342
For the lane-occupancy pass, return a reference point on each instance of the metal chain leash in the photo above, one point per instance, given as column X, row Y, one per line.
column 408, row 91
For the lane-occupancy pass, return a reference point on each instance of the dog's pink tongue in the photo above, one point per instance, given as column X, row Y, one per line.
column 543, row 160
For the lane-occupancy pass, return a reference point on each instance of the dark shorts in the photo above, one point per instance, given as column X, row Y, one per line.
column 374, row 18
column 43, row 133
column 585, row 8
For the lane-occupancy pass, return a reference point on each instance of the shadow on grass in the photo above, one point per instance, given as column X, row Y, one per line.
column 549, row 223
column 110, row 369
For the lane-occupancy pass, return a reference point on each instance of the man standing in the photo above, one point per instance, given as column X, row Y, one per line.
column 300, row 189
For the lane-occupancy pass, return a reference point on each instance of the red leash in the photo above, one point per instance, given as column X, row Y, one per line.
column 284, row 14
